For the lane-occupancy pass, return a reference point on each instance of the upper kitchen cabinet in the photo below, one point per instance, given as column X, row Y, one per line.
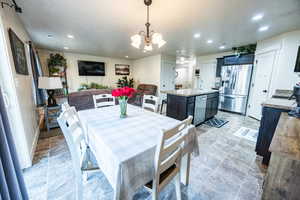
column 233, row 60
column 239, row 60
column 220, row 63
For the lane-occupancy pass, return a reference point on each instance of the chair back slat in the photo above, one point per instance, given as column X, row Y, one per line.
column 102, row 100
column 170, row 148
column 65, row 106
column 170, row 160
column 169, row 178
column 170, row 133
column 150, row 102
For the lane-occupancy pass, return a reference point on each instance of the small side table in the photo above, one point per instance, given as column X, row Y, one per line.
column 51, row 115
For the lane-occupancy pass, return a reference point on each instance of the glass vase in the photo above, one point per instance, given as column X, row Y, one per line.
column 123, row 108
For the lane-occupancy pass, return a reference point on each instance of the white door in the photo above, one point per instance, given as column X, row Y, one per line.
column 207, row 75
column 167, row 77
column 261, row 83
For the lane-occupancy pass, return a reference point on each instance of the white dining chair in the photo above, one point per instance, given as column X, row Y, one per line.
column 65, row 106
column 102, row 100
column 168, row 159
column 73, row 132
column 150, row 102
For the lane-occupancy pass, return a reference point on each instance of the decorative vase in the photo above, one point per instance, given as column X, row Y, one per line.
column 123, row 108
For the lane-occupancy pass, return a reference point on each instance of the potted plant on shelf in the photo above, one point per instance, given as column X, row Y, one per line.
column 57, row 64
column 123, row 94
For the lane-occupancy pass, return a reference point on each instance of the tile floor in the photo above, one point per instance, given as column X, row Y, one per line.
column 227, row 169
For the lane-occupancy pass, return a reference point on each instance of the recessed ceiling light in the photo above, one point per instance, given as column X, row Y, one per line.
column 209, row 41
column 126, row 56
column 70, row 36
column 182, row 59
column 197, row 35
column 257, row 17
column 222, row 47
column 263, row 28
column 66, row 48
column 50, row 36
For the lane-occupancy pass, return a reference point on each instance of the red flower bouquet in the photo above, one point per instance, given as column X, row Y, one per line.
column 123, row 94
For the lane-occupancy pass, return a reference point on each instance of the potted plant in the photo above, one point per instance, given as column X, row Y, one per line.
column 56, row 64
column 123, row 94
column 124, row 82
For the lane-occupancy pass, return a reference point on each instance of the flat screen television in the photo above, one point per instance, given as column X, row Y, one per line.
column 91, row 68
column 297, row 66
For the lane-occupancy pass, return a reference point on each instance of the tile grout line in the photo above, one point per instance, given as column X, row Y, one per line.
column 48, row 168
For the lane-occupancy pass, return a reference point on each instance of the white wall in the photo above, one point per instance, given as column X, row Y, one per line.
column 74, row 80
column 19, row 89
column 182, row 77
column 286, row 45
column 147, row 70
column 185, row 72
column 208, row 65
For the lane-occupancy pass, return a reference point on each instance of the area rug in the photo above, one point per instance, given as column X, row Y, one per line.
column 215, row 122
column 247, row 133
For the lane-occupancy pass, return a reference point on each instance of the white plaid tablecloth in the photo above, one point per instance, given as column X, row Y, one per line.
column 125, row 148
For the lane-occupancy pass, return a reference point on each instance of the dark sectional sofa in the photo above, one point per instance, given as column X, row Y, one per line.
column 84, row 99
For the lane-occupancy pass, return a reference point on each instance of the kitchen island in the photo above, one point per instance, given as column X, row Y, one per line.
column 201, row 104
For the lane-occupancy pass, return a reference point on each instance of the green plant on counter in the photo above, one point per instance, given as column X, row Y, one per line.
column 246, row 49
column 123, row 82
column 92, row 85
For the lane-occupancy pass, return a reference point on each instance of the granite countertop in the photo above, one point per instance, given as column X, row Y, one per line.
column 280, row 103
column 286, row 140
column 190, row 92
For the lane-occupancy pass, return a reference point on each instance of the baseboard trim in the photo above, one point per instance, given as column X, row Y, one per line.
column 34, row 144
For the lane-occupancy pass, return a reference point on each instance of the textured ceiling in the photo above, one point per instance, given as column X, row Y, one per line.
column 104, row 27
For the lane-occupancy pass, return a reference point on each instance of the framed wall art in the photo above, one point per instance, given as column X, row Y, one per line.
column 18, row 53
column 122, row 69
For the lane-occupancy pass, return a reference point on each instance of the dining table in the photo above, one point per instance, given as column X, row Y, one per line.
column 125, row 147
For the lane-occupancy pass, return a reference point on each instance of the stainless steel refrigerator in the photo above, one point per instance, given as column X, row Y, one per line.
column 235, row 84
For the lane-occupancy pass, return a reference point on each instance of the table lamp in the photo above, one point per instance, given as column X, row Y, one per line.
column 50, row 84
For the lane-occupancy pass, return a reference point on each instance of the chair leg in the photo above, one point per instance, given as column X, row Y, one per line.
column 84, row 177
column 161, row 107
column 154, row 195
column 177, row 186
column 79, row 189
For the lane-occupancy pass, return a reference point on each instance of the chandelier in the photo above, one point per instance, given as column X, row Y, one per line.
column 149, row 37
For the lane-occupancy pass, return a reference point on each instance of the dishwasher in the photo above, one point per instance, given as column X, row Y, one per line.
column 200, row 107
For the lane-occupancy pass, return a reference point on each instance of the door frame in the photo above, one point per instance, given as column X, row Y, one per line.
column 276, row 50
